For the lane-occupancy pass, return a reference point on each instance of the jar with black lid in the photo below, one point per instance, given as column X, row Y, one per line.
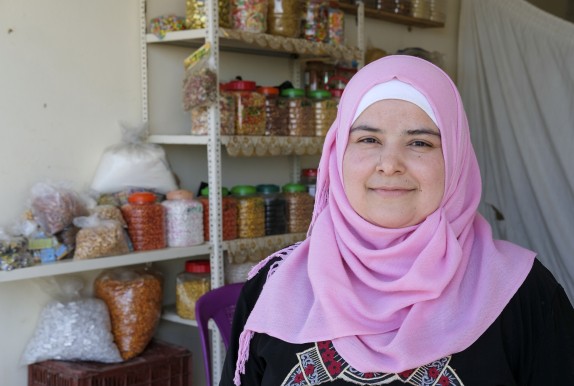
column 275, row 209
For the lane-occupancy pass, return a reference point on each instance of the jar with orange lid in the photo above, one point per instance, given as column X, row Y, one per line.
column 250, row 211
column 228, row 214
column 299, row 112
column 299, row 207
column 324, row 111
column 275, row 112
column 184, row 219
column 191, row 284
column 249, row 107
column 145, row 218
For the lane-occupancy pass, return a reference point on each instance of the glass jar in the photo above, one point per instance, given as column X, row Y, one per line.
column 284, row 18
column 336, row 23
column 249, row 15
column 316, row 24
column 191, row 284
column 299, row 207
column 250, row 211
column 299, row 112
column 275, row 112
column 184, row 219
column 317, row 75
column 324, row 111
column 145, row 218
column 200, row 115
column 309, row 179
column 275, row 209
column 249, row 108
column 228, row 214
column 196, row 14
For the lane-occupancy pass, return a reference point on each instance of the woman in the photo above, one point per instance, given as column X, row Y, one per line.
column 399, row 280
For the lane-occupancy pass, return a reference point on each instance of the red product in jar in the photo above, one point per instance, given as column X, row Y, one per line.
column 145, row 218
column 228, row 214
column 249, row 107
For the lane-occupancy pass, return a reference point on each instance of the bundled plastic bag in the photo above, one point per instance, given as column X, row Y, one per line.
column 134, row 298
column 14, row 252
column 200, row 82
column 72, row 328
column 133, row 163
column 97, row 238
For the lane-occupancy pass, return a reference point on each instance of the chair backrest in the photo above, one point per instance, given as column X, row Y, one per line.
column 219, row 305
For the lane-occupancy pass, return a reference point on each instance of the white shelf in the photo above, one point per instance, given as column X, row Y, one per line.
column 75, row 266
column 171, row 315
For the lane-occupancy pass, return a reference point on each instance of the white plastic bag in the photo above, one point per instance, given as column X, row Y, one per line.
column 133, row 163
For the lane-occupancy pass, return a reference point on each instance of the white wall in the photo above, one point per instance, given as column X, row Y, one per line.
column 69, row 71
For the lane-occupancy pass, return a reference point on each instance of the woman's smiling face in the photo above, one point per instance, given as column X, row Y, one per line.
column 393, row 167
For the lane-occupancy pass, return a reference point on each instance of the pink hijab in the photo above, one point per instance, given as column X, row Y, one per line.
column 391, row 300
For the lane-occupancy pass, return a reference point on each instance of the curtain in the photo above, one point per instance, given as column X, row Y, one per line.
column 516, row 78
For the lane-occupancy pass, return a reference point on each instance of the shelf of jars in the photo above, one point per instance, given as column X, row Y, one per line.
column 393, row 17
column 250, row 145
column 260, row 44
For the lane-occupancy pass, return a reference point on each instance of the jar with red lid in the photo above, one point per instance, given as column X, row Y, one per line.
column 184, row 219
column 228, row 214
column 191, row 284
column 309, row 179
column 249, row 107
column 275, row 112
column 299, row 112
column 145, row 218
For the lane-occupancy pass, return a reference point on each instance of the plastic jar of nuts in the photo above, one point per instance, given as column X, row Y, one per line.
column 324, row 111
column 299, row 207
column 299, row 112
column 196, row 14
column 249, row 107
column 191, row 284
column 249, row 15
column 184, row 219
column 228, row 214
column 250, row 211
column 284, row 18
column 200, row 114
column 146, row 221
column 275, row 112
column 275, row 209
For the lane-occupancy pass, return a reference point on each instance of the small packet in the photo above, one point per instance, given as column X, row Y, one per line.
column 98, row 238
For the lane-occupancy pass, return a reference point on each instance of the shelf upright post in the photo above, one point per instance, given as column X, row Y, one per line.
column 361, row 32
column 143, row 61
column 295, row 64
column 214, row 181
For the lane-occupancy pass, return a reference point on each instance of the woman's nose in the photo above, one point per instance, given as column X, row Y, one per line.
column 390, row 163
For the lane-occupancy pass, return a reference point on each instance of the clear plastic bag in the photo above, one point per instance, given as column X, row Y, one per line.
column 134, row 298
column 200, row 82
column 74, row 327
column 14, row 252
column 133, row 163
column 97, row 238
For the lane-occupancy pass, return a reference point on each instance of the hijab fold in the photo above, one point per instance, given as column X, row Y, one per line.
column 393, row 299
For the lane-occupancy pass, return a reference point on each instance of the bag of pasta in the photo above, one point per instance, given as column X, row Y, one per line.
column 97, row 238
column 134, row 299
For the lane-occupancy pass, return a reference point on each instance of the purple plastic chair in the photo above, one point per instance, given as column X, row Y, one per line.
column 219, row 305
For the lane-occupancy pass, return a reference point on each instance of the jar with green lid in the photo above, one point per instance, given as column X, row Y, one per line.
column 299, row 112
column 324, row 111
column 249, row 107
column 275, row 209
column 284, row 18
column 250, row 211
column 184, row 219
column 249, row 15
column 196, row 14
column 228, row 214
column 145, row 218
column 299, row 207
column 191, row 284
column 275, row 112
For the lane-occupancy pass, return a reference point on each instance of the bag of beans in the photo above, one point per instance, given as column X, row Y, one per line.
column 97, row 238
column 134, row 299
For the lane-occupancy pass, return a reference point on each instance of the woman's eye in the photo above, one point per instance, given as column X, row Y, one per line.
column 368, row 140
column 421, row 144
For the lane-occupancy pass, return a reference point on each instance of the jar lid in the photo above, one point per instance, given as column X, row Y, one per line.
column 197, row 266
column 294, row 188
column 180, row 194
column 319, row 94
column 336, row 92
column 268, row 90
column 243, row 190
column 205, row 191
column 141, row 198
column 293, row 92
column 268, row 188
column 309, row 172
column 239, row 85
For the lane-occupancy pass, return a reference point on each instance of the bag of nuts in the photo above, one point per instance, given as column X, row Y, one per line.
column 97, row 238
column 134, row 299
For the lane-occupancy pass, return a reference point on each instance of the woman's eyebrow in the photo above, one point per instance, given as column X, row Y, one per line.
column 423, row 132
column 365, row 128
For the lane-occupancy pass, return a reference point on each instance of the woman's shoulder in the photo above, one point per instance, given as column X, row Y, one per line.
column 540, row 284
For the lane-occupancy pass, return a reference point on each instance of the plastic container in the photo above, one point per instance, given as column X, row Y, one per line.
column 316, row 24
column 145, row 218
column 400, row 7
column 196, row 14
column 275, row 209
column 309, row 179
column 299, row 207
column 324, row 111
column 184, row 219
column 284, row 18
column 275, row 113
column 250, row 211
column 249, row 107
column 317, row 75
column 193, row 282
column 200, row 116
column 336, row 24
column 299, row 112
column 249, row 15
column 228, row 214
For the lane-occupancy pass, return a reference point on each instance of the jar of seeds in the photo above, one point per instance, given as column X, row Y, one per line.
column 191, row 284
